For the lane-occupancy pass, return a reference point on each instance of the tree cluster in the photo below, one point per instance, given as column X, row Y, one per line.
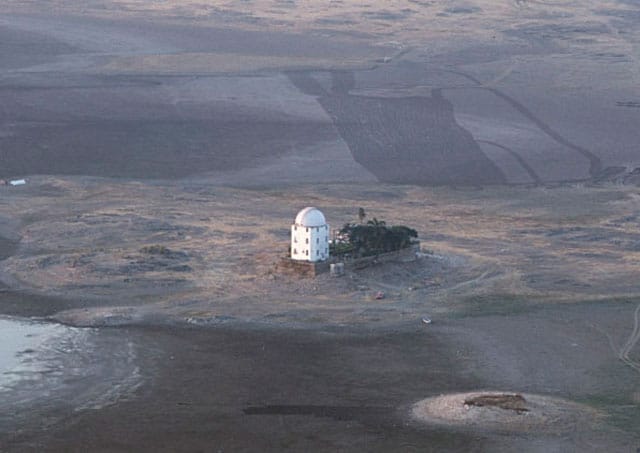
column 376, row 237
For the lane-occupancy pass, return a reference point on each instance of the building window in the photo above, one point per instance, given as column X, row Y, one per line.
column 317, row 253
column 307, row 230
column 306, row 241
column 306, row 252
column 295, row 228
column 295, row 251
column 317, row 240
column 295, row 239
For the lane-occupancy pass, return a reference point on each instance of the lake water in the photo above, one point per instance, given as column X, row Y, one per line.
column 21, row 342
column 48, row 370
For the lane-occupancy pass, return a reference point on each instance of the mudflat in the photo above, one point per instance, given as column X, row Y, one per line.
column 349, row 387
column 505, row 133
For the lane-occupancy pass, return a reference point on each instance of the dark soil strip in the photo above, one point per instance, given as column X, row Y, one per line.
column 7, row 248
column 335, row 412
column 523, row 163
column 514, row 402
column 307, row 84
column 403, row 140
column 342, row 82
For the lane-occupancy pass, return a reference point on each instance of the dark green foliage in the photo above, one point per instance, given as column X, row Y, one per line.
column 375, row 237
column 340, row 248
column 376, row 223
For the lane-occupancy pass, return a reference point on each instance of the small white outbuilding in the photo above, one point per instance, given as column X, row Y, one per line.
column 310, row 236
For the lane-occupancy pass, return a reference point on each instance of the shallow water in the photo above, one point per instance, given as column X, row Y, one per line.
column 20, row 342
column 48, row 371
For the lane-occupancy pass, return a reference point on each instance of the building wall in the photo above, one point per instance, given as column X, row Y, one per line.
column 301, row 268
column 309, row 243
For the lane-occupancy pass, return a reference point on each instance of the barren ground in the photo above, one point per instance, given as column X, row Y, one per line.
column 504, row 132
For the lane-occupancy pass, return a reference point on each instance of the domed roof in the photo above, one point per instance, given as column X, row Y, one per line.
column 310, row 217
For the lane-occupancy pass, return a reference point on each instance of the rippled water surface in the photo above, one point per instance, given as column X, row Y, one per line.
column 48, row 370
column 19, row 342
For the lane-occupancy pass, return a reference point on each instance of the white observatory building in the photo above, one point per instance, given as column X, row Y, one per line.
column 310, row 236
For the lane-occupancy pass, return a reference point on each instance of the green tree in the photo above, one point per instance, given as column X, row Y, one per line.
column 375, row 237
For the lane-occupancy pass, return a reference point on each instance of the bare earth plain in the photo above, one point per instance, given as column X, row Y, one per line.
column 167, row 145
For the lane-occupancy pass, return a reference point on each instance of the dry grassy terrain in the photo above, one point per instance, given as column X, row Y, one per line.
column 529, row 289
column 217, row 248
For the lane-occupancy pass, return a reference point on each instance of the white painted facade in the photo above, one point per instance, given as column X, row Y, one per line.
column 310, row 236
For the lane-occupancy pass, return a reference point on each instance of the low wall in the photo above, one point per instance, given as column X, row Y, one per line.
column 308, row 269
column 407, row 254
column 302, row 268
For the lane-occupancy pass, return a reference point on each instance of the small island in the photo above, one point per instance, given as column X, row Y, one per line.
column 311, row 252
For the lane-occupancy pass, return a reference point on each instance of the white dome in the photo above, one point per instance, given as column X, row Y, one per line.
column 310, row 217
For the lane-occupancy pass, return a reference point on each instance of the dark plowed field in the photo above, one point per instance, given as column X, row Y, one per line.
column 408, row 140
